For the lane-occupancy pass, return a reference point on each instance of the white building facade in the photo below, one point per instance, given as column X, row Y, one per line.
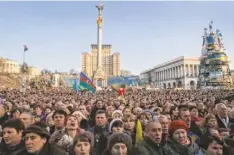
column 9, row 66
column 178, row 73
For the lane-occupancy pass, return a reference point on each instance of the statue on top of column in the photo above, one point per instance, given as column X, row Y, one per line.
column 99, row 18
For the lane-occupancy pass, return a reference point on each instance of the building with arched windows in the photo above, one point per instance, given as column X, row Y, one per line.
column 181, row 72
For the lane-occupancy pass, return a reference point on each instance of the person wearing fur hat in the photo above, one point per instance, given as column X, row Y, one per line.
column 118, row 143
column 179, row 143
column 36, row 142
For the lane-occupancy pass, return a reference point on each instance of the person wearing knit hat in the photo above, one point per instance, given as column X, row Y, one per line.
column 179, row 143
column 117, row 114
column 149, row 113
column 178, row 124
column 116, row 125
column 118, row 143
column 36, row 142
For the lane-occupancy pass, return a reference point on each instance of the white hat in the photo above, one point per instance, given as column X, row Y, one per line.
column 111, row 123
column 117, row 111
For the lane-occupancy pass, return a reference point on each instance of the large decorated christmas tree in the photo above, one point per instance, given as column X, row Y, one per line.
column 214, row 68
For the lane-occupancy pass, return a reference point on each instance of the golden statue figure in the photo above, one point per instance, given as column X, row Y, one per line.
column 99, row 21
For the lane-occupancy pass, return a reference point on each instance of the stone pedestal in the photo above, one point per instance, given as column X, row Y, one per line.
column 100, row 79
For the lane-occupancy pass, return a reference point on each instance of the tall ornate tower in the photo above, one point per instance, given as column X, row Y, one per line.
column 99, row 79
column 214, row 65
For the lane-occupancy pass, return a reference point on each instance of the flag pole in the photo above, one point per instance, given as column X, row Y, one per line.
column 24, row 57
column 24, row 67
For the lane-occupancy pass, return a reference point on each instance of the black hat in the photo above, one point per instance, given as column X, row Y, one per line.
column 38, row 130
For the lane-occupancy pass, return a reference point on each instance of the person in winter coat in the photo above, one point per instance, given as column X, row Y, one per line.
column 152, row 142
column 193, row 130
column 116, row 125
column 99, row 130
column 118, row 143
column 179, row 143
column 99, row 105
column 12, row 142
column 36, row 142
column 64, row 138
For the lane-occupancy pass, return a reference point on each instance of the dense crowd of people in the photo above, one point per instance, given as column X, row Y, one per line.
column 59, row 121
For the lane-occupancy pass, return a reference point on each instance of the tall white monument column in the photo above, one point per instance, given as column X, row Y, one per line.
column 99, row 35
column 99, row 77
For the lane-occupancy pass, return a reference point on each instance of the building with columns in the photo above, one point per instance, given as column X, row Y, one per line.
column 13, row 67
column 9, row 66
column 181, row 72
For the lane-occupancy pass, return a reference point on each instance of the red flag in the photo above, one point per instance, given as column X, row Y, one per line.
column 121, row 91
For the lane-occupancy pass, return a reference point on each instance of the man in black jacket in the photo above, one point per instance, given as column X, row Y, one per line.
column 99, row 130
column 152, row 142
column 12, row 143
